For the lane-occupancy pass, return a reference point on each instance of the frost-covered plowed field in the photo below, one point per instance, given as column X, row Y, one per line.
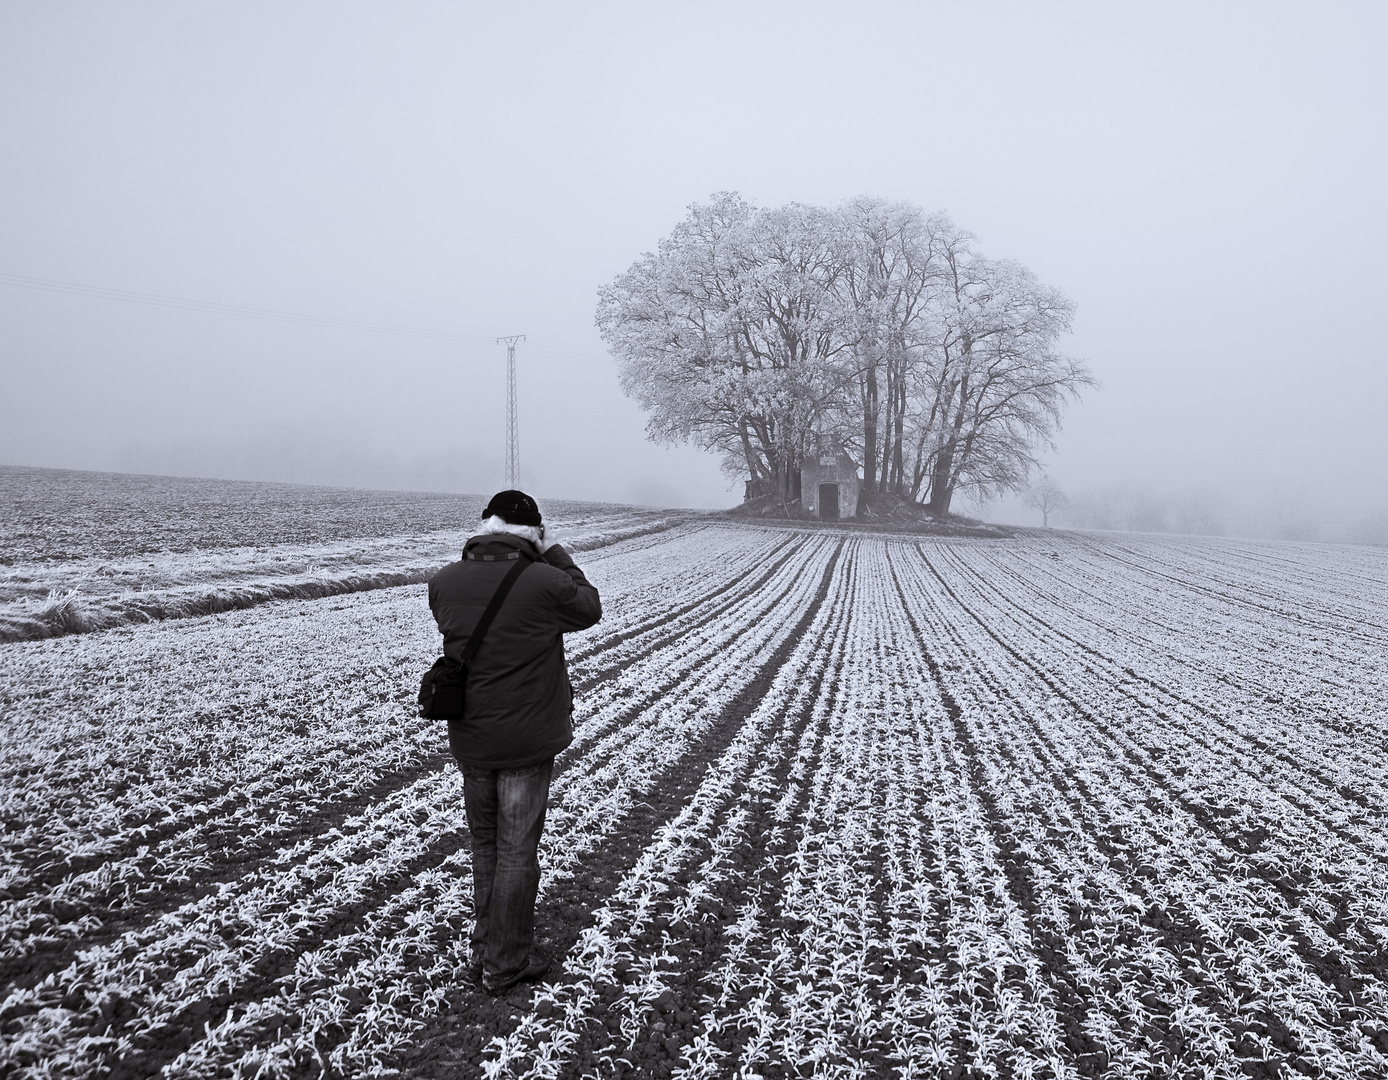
column 83, row 551
column 838, row 805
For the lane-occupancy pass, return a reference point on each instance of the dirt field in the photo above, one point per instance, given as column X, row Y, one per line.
column 838, row 805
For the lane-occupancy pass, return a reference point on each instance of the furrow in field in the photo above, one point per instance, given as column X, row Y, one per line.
column 1327, row 774
column 1335, row 764
column 116, row 865
column 873, row 926
column 1346, row 807
column 100, row 596
column 1085, row 1034
column 1097, row 962
column 647, row 676
column 1170, row 601
column 1311, row 672
column 112, row 860
column 1285, row 785
column 301, row 778
column 675, row 727
column 1345, row 582
column 614, row 653
column 937, row 810
column 1313, row 617
column 1193, row 630
column 1175, row 839
column 1345, row 755
column 570, row 837
column 638, row 965
column 1344, row 785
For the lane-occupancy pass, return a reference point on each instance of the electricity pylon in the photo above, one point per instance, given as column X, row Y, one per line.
column 512, row 439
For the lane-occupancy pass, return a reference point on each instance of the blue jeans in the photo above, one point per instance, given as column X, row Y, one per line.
column 505, row 815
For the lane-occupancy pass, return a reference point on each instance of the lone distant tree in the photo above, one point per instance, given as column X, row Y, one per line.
column 1045, row 496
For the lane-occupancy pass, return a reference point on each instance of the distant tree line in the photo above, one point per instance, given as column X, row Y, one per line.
column 1278, row 513
column 770, row 335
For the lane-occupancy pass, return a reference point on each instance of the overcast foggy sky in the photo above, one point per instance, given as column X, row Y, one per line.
column 1206, row 181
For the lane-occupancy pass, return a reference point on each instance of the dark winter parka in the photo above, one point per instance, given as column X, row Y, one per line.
column 519, row 699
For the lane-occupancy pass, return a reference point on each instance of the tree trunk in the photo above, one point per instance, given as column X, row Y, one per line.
column 899, row 436
column 754, row 468
column 870, row 412
column 884, row 477
column 920, row 467
column 793, row 481
column 944, row 475
column 941, row 485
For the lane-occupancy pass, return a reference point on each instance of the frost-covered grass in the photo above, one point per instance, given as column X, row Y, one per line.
column 838, row 805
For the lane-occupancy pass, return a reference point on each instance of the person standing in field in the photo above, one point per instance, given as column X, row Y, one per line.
column 516, row 717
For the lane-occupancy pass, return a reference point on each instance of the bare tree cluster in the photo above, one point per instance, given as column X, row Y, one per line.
column 770, row 335
column 1141, row 507
column 1199, row 509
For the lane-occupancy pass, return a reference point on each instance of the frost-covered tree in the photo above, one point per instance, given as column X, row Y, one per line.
column 768, row 335
column 995, row 385
column 733, row 335
column 893, row 282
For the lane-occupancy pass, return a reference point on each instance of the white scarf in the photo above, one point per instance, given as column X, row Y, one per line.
column 495, row 524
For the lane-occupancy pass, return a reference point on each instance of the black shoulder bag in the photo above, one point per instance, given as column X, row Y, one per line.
column 443, row 689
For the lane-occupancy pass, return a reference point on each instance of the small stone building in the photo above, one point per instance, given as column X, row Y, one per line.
column 829, row 486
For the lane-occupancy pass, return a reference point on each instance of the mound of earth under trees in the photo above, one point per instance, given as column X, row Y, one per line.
column 889, row 512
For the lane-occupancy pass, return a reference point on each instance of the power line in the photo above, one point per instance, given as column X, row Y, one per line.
column 569, row 356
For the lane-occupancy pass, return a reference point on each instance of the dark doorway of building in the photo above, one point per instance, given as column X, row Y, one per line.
column 829, row 502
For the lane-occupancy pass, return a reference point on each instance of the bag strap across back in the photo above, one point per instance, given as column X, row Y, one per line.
column 474, row 641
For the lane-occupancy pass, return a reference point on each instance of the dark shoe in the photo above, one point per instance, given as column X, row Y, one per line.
column 473, row 971
column 535, row 966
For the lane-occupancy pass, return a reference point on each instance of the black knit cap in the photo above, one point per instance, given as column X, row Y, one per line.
column 514, row 508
